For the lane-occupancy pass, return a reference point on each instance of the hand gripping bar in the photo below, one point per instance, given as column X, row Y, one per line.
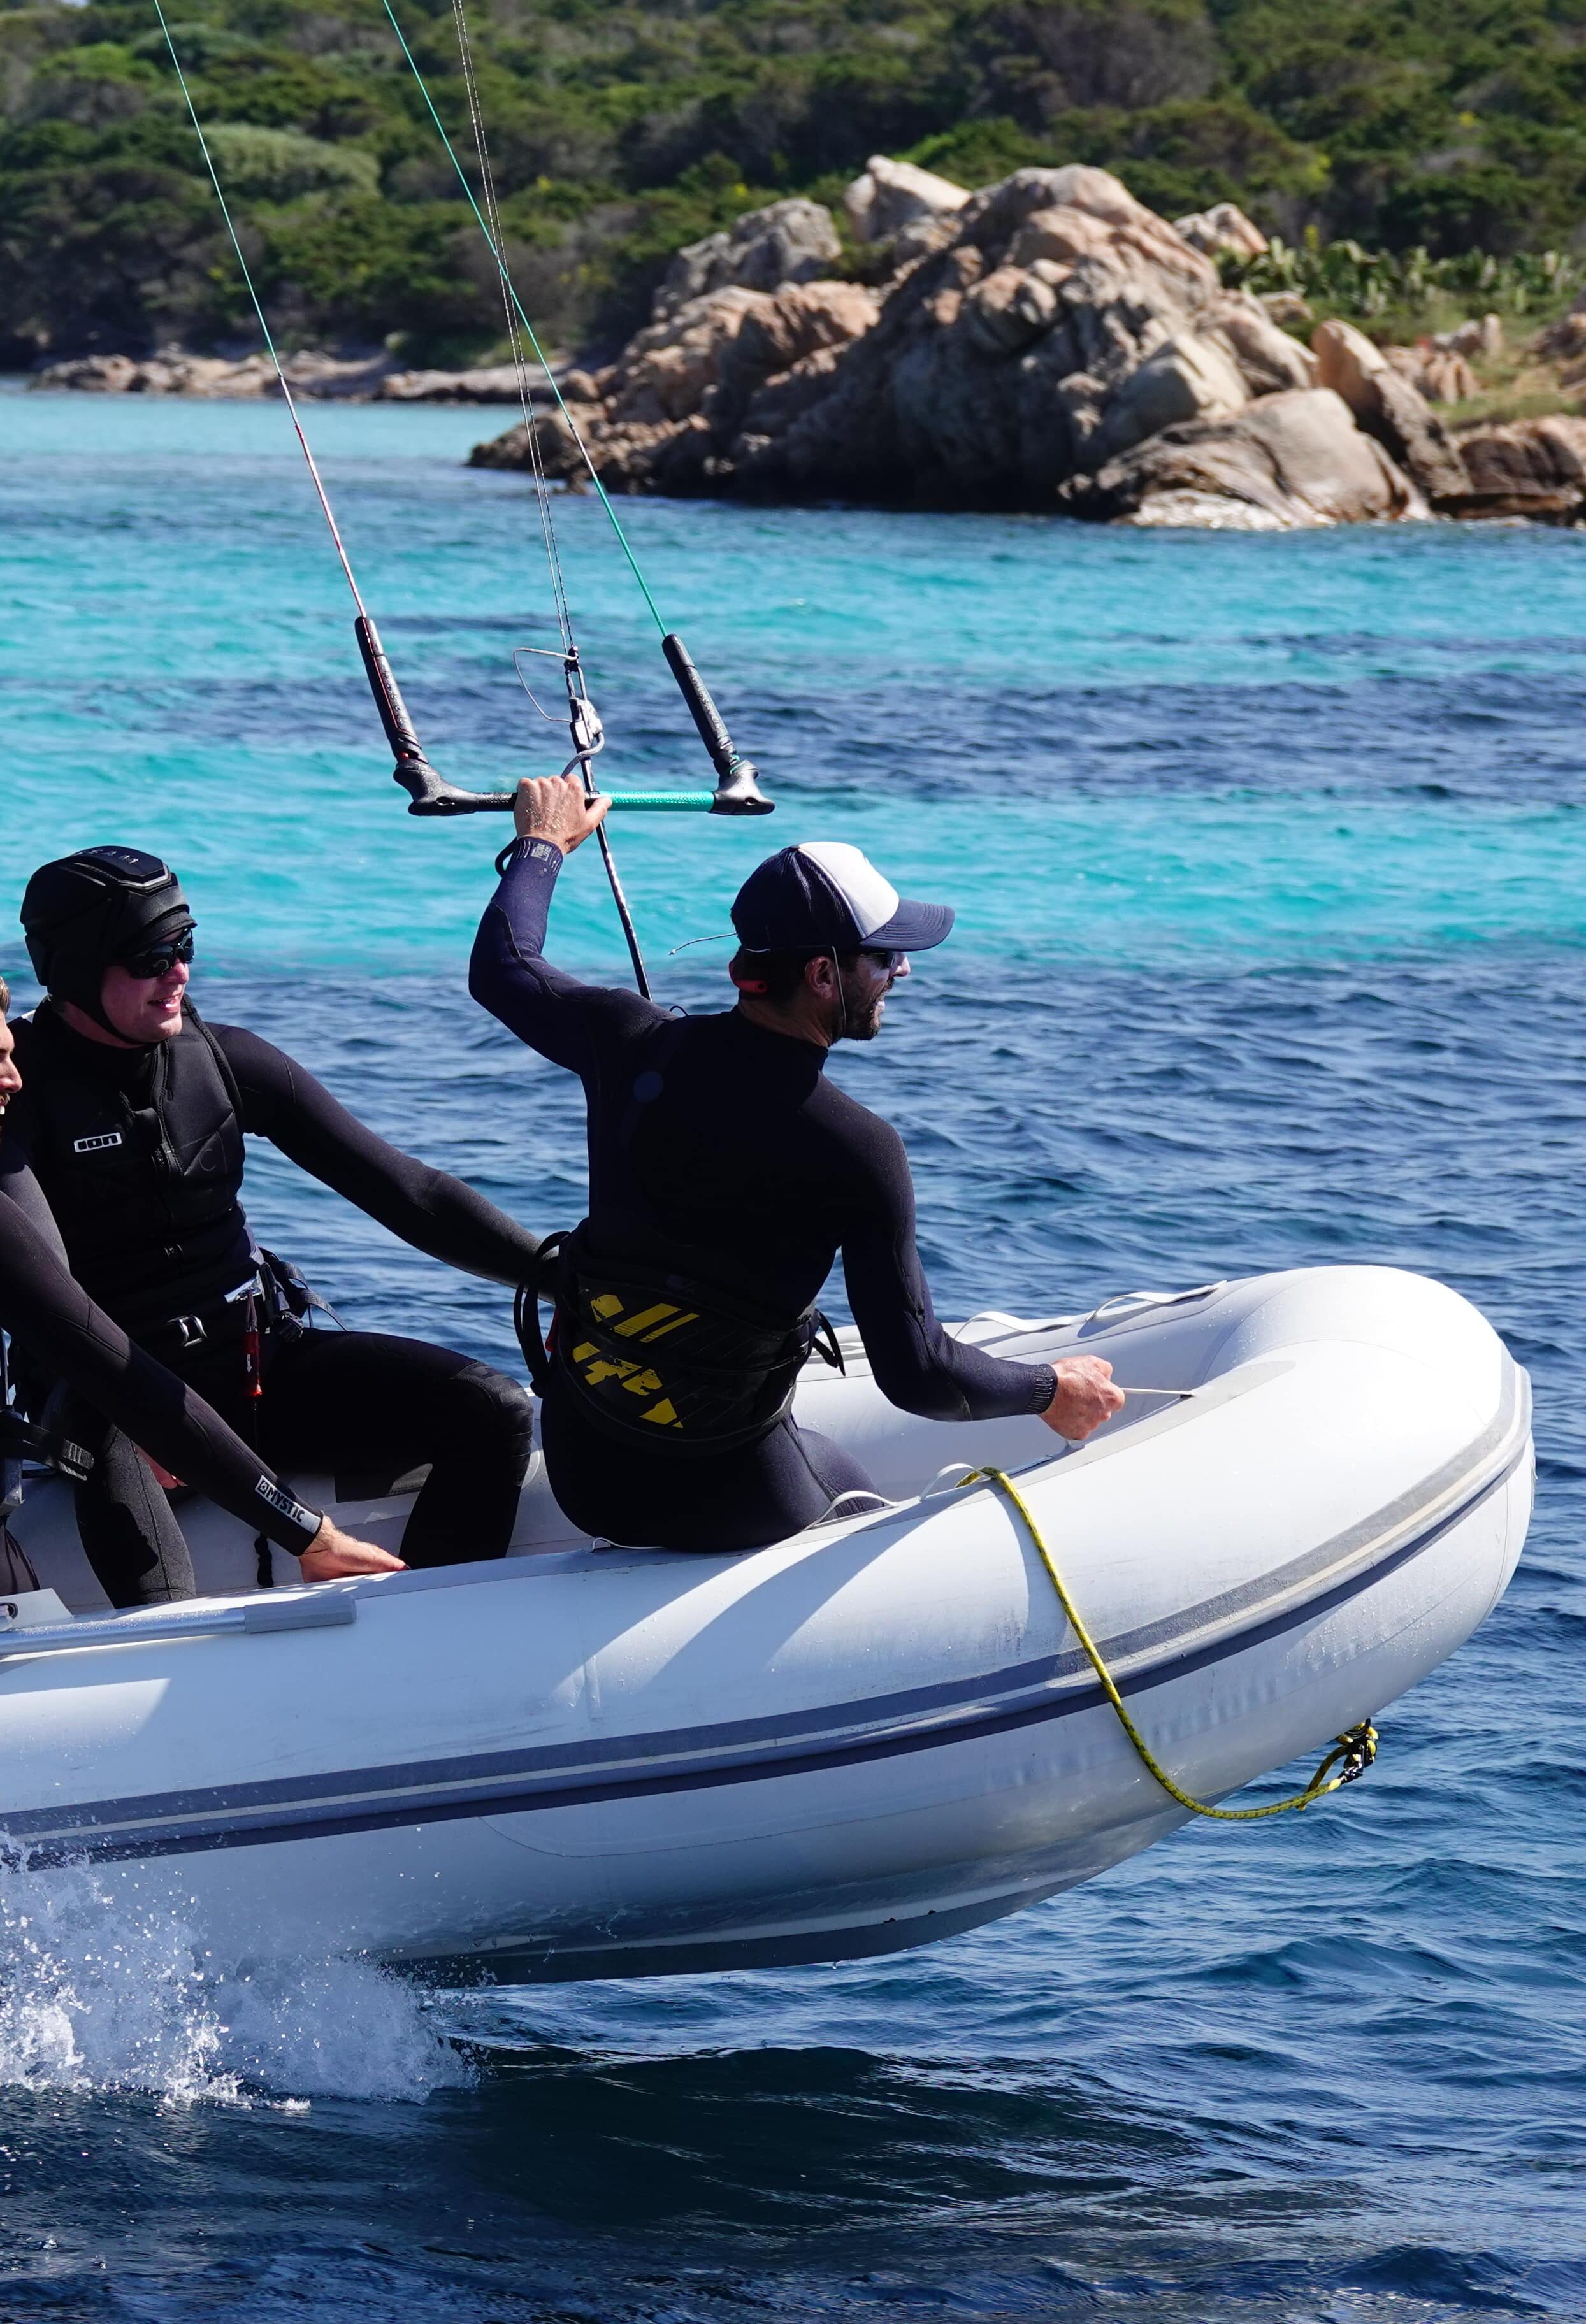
column 737, row 792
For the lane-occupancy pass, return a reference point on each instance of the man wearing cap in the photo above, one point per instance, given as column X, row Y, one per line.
column 725, row 1175
column 127, row 1132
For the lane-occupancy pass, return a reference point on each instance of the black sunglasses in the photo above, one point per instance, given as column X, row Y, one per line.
column 159, row 959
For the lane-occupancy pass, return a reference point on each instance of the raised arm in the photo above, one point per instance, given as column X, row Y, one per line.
column 509, row 974
column 430, row 1209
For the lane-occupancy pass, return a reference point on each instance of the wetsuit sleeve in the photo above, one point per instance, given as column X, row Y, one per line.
column 52, row 1316
column 430, row 1209
column 19, row 1184
column 568, row 1022
column 915, row 1365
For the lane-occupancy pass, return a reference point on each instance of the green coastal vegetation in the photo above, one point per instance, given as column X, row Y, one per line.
column 1433, row 139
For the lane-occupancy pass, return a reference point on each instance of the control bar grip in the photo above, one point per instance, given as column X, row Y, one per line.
column 738, row 790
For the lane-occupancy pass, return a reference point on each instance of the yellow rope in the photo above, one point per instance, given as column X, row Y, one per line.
column 1352, row 1752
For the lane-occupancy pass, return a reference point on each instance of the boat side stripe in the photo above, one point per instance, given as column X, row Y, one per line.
column 509, row 1783
column 1360, row 1547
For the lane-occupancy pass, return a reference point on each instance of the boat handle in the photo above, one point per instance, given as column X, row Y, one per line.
column 287, row 1613
column 1128, row 1302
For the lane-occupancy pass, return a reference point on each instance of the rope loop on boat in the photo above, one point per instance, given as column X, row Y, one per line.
column 1352, row 1754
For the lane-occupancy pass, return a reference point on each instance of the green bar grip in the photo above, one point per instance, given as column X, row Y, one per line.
column 693, row 802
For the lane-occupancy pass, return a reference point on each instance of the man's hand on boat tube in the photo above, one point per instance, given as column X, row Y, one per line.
column 333, row 1553
column 1086, row 1398
column 559, row 809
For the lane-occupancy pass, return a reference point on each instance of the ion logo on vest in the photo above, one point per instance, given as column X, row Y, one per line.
column 95, row 1145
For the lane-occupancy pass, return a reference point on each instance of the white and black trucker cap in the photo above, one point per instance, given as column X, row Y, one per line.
column 825, row 895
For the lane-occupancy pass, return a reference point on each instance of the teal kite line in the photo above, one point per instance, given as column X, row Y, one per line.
column 512, row 291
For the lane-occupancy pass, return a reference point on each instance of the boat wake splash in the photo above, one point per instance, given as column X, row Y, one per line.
column 97, row 1994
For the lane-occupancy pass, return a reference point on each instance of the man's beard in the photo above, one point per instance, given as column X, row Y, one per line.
column 858, row 1022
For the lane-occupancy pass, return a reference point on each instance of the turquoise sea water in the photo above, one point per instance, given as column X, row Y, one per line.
column 1270, row 862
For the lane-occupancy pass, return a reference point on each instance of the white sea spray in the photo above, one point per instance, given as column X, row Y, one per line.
column 100, row 1990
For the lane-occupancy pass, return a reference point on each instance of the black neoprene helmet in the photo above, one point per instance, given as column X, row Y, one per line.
column 84, row 912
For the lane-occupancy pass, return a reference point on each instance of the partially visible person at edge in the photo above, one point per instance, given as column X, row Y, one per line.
column 725, row 1174
column 129, row 1128
column 77, row 1344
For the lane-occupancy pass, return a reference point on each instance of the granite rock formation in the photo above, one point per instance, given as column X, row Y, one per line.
column 652, row 421
column 1534, row 469
column 1223, row 227
column 1286, row 461
column 909, row 210
column 1036, row 332
column 1387, row 406
column 791, row 241
column 1434, row 371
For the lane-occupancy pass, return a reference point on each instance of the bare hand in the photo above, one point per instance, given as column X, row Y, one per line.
column 333, row 1553
column 1086, row 1398
column 556, row 807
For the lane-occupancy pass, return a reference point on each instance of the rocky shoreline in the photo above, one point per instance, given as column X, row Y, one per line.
column 1046, row 344
column 364, row 379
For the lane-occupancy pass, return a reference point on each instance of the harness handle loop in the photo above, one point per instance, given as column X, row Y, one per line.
column 1352, row 1753
column 540, row 1285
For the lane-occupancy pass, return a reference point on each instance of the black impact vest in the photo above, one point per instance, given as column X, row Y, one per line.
column 655, row 1358
column 139, row 1156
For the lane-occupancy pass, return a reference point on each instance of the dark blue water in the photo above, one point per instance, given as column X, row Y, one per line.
column 1271, row 866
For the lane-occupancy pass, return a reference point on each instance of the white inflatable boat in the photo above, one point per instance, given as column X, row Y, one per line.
column 592, row 1762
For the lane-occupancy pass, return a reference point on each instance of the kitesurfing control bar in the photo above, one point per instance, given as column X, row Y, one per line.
column 428, row 793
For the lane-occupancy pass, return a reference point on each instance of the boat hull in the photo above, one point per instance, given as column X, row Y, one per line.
column 586, row 1762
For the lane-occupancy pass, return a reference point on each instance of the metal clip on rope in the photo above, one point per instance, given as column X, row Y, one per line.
column 1352, row 1753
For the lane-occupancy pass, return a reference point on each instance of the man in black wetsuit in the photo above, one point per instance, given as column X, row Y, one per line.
column 77, row 1344
column 131, row 1121
column 725, row 1174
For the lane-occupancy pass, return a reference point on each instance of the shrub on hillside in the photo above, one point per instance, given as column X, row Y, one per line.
column 621, row 128
column 277, row 165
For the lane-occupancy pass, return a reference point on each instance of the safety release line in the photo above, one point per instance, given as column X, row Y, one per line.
column 1352, row 1752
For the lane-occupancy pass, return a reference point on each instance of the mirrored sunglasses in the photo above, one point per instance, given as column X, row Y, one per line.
column 159, row 960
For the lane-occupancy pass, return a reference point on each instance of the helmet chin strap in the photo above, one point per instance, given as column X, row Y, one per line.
column 93, row 1006
column 96, row 1010
column 93, row 1010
